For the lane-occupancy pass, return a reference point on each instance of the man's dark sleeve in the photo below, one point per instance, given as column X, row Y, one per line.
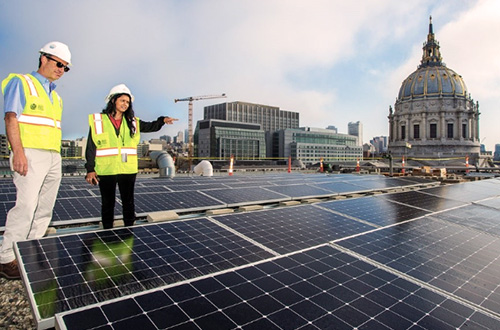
column 90, row 152
column 151, row 126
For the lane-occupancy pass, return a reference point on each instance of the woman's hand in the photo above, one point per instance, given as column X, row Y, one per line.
column 168, row 120
column 92, row 178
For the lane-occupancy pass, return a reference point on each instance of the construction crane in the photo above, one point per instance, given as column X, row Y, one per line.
column 190, row 120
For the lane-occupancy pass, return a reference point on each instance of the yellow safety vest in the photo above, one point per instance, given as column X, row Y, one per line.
column 40, row 122
column 114, row 154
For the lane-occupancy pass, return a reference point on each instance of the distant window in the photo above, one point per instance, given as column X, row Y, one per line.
column 450, row 131
column 464, row 131
column 433, row 131
column 403, row 132
column 416, row 131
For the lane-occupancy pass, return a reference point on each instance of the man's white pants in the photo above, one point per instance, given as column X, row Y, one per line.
column 36, row 196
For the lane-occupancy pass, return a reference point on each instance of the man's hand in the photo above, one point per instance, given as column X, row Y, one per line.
column 19, row 161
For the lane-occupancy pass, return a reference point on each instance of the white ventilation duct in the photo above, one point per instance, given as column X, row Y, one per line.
column 165, row 163
column 204, row 168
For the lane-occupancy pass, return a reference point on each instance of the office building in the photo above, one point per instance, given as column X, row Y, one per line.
column 356, row 129
column 311, row 144
column 221, row 139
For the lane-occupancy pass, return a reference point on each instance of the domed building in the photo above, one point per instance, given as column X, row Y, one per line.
column 434, row 115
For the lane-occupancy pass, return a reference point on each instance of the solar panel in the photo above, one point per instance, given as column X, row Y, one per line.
column 174, row 201
column 245, row 196
column 300, row 191
column 78, row 208
column 4, row 208
column 474, row 216
column 462, row 192
column 294, row 228
column 455, row 259
column 317, row 289
column 67, row 272
column 203, row 186
column 375, row 210
column 493, row 203
column 341, row 187
column 424, row 201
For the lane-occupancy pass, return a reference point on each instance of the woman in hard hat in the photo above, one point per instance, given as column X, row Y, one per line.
column 112, row 152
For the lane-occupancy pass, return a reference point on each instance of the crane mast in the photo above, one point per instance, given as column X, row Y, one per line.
column 190, row 100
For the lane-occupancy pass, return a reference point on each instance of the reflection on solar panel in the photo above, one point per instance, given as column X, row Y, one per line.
column 317, row 289
column 72, row 271
column 301, row 191
column 474, row 216
column 175, row 201
column 292, row 229
column 451, row 258
column 341, row 187
column 463, row 192
column 245, row 196
column 375, row 210
column 493, row 202
column 424, row 201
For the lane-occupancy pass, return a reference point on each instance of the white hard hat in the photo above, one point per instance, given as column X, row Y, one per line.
column 58, row 49
column 119, row 89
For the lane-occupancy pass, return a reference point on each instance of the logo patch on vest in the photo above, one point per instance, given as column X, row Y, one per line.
column 33, row 106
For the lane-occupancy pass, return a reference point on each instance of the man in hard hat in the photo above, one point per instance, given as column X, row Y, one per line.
column 33, row 125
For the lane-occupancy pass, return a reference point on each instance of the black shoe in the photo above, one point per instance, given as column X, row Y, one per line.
column 10, row 270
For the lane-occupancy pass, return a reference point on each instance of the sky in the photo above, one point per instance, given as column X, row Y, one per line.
column 333, row 61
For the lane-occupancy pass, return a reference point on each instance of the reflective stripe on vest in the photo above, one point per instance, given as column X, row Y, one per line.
column 31, row 86
column 106, row 152
column 98, row 123
column 114, row 152
column 42, row 121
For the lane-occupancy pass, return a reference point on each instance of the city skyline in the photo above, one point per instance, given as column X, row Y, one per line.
column 331, row 61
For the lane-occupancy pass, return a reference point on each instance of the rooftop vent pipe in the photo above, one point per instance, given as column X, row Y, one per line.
column 204, row 168
column 164, row 162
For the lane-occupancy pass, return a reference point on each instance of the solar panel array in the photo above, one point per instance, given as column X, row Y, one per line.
column 423, row 259
column 78, row 202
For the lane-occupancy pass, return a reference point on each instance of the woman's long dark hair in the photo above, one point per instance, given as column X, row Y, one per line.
column 129, row 114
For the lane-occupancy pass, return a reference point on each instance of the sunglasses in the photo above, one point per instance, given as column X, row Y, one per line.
column 58, row 64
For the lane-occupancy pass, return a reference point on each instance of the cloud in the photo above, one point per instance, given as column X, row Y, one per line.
column 332, row 61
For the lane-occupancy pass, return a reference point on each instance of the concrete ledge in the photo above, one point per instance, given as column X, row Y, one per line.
column 354, row 195
column 311, row 200
column 162, row 216
column 289, row 203
column 219, row 211
column 250, row 208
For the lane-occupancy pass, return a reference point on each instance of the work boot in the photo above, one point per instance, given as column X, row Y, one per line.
column 10, row 270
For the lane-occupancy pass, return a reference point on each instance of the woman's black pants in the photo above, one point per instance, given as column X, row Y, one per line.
column 107, row 185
